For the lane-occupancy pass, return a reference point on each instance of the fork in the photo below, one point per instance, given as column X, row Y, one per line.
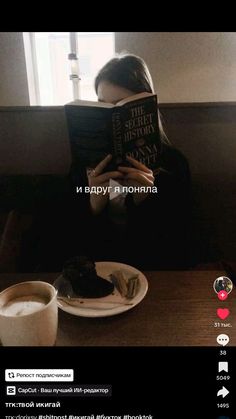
column 77, row 302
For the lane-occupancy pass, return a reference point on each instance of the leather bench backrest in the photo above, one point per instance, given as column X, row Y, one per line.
column 34, row 141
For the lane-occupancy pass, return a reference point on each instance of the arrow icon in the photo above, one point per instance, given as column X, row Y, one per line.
column 223, row 392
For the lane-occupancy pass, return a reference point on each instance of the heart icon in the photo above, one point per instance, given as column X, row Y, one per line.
column 222, row 313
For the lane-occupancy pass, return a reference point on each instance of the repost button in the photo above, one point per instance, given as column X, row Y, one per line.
column 58, row 375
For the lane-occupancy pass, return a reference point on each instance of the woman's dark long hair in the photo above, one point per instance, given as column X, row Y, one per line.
column 130, row 72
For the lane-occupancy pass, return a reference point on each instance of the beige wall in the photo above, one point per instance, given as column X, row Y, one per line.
column 13, row 77
column 186, row 66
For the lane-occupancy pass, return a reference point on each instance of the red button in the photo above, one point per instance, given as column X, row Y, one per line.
column 222, row 295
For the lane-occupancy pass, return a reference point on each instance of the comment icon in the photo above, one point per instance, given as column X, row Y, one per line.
column 222, row 339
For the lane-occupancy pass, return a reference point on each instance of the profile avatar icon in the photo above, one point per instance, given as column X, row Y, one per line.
column 223, row 283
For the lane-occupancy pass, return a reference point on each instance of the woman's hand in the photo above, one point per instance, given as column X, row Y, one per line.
column 139, row 175
column 96, row 178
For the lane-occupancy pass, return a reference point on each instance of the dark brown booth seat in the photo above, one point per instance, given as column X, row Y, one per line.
column 24, row 198
column 35, row 158
column 206, row 133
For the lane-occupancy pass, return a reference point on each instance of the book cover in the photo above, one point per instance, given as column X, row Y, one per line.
column 128, row 128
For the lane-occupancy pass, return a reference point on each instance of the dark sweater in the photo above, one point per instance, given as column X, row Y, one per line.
column 158, row 233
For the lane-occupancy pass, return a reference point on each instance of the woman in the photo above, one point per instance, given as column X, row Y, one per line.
column 147, row 230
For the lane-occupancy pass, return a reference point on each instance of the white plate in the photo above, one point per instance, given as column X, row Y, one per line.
column 111, row 304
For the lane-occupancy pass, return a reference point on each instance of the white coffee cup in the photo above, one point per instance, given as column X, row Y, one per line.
column 28, row 314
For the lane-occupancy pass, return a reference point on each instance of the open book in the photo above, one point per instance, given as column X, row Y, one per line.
column 128, row 128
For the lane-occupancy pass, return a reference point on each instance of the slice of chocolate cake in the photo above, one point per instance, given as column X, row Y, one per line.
column 80, row 271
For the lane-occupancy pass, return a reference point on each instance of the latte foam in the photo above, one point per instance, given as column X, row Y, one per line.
column 21, row 306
